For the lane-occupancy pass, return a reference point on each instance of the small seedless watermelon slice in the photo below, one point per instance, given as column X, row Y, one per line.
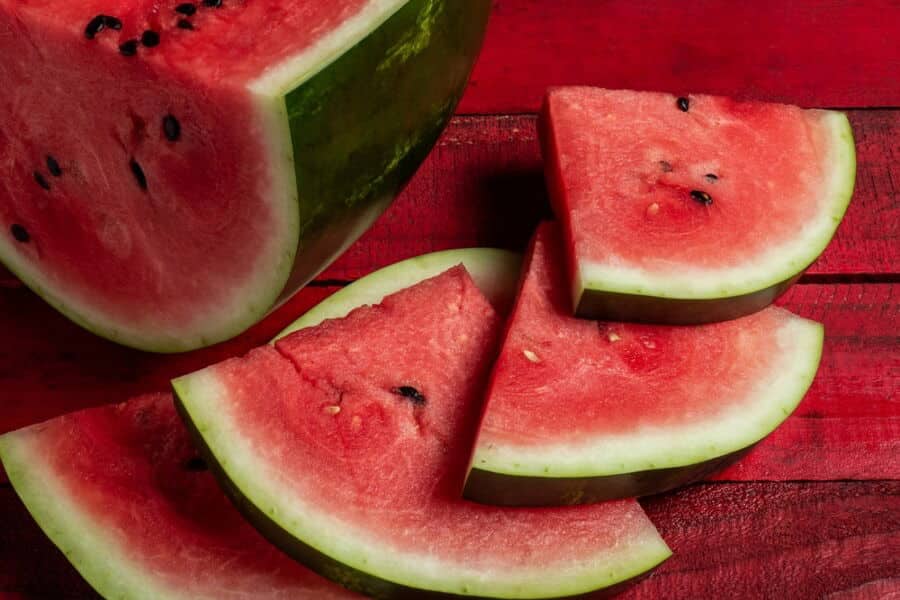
column 122, row 493
column 694, row 209
column 580, row 411
column 347, row 444
column 171, row 170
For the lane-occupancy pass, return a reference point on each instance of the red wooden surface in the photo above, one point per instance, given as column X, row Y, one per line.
column 814, row 510
column 812, row 53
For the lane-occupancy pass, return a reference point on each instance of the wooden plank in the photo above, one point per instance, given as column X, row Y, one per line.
column 733, row 540
column 808, row 52
column 483, row 185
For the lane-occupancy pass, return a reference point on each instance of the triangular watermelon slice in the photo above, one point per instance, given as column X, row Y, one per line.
column 580, row 411
column 347, row 445
column 121, row 491
column 170, row 169
column 692, row 209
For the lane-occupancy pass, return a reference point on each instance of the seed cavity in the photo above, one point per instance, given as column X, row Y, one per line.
column 665, row 166
column 531, row 356
column 711, row 177
column 19, row 233
column 332, row 409
column 95, row 26
column 41, row 180
column 613, row 337
column 701, row 197
column 128, row 48
column 411, row 393
column 187, row 8
column 150, row 39
column 196, row 464
column 683, row 104
column 112, row 22
column 171, row 128
column 53, row 166
column 185, row 24
column 653, row 209
column 138, row 173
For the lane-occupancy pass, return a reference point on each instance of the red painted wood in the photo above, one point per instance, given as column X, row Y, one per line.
column 807, row 52
column 735, row 540
column 483, row 185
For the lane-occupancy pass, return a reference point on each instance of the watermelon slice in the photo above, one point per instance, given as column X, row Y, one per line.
column 580, row 411
column 122, row 493
column 169, row 170
column 694, row 209
column 347, row 445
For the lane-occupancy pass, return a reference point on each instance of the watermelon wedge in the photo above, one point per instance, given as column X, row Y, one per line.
column 579, row 411
column 121, row 491
column 347, row 443
column 170, row 170
column 693, row 209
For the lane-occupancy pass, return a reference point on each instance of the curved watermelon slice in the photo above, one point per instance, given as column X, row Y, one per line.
column 690, row 210
column 580, row 411
column 347, row 444
column 169, row 170
column 121, row 491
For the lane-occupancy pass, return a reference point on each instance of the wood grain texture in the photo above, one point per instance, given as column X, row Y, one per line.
column 484, row 185
column 809, row 53
column 733, row 540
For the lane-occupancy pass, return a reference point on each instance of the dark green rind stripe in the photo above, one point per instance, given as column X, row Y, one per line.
column 488, row 487
column 361, row 127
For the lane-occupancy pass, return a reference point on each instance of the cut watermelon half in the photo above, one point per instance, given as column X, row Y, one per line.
column 170, row 170
column 694, row 209
column 579, row 411
column 347, row 443
column 122, row 493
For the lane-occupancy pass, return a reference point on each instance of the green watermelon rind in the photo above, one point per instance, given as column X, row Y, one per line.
column 101, row 559
column 627, row 294
column 350, row 555
column 652, row 460
column 345, row 125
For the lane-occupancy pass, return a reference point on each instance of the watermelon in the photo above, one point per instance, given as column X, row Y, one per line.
column 346, row 444
column 692, row 209
column 124, row 495
column 170, row 170
column 580, row 411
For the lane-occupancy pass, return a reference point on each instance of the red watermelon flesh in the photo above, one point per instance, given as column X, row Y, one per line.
column 579, row 410
column 122, row 492
column 168, row 170
column 348, row 444
column 693, row 198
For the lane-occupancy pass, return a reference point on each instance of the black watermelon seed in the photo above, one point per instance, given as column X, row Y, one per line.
column 683, row 104
column 138, row 174
column 701, row 197
column 171, row 128
column 53, row 166
column 150, row 38
column 95, row 26
column 185, row 24
column 19, row 233
column 187, row 8
column 196, row 464
column 212, row 3
column 112, row 22
column 41, row 180
column 407, row 391
column 129, row 48
column 711, row 177
column 665, row 166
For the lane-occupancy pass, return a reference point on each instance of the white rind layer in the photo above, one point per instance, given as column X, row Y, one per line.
column 780, row 262
column 746, row 421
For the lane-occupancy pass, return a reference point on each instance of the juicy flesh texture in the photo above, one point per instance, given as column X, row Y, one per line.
column 626, row 163
column 158, row 257
column 387, row 467
column 560, row 379
column 127, row 467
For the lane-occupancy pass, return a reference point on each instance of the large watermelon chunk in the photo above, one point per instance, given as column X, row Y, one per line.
column 347, row 444
column 169, row 169
column 693, row 209
column 580, row 411
column 124, row 495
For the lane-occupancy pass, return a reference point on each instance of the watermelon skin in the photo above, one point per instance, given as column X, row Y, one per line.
column 642, row 245
column 290, row 146
column 580, row 411
column 417, row 506
column 116, row 488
